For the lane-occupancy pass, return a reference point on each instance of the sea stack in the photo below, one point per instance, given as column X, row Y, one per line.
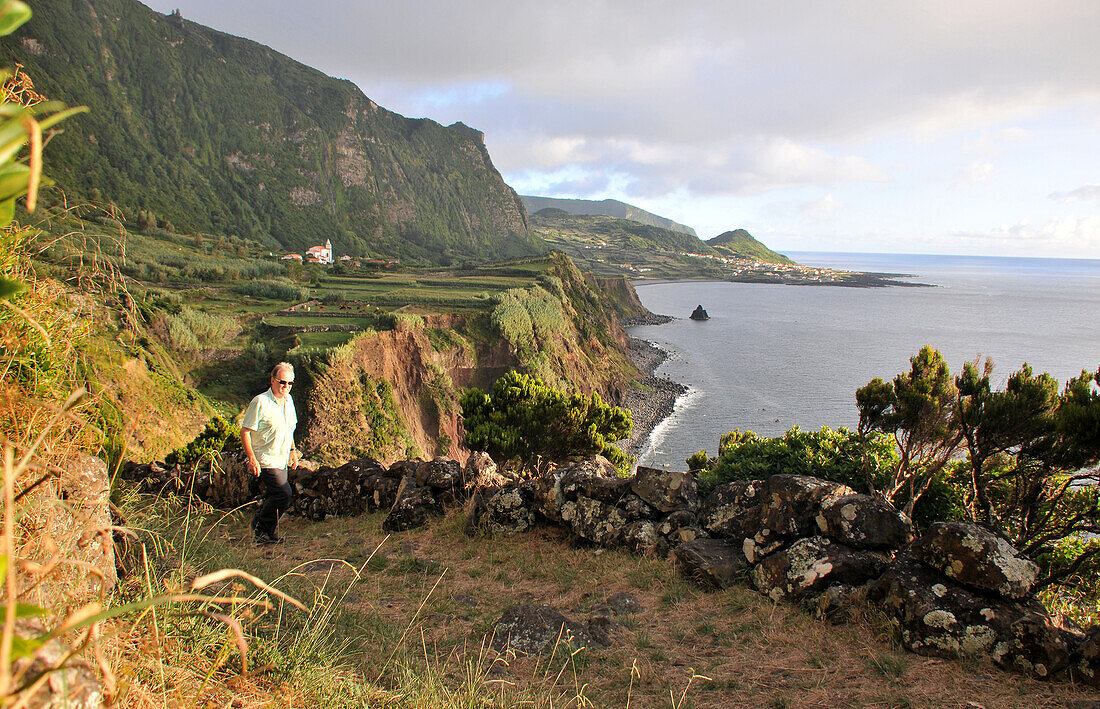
column 699, row 313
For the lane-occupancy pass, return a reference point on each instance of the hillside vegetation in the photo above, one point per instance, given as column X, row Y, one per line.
column 741, row 244
column 207, row 132
column 604, row 207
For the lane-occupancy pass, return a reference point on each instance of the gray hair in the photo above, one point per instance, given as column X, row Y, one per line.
column 281, row 365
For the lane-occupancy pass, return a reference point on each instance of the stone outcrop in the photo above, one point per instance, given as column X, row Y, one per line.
column 864, row 522
column 713, row 562
column 812, row 565
column 977, row 558
column 534, row 630
column 958, row 590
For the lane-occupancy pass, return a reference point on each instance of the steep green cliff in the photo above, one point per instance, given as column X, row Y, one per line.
column 220, row 134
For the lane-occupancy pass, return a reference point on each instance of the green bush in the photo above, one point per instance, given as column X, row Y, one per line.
column 525, row 419
column 282, row 289
column 218, row 435
column 827, row 454
column 191, row 330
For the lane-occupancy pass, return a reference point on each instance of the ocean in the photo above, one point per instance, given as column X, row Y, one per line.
column 774, row 356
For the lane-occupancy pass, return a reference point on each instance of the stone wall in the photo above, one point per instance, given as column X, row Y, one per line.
column 956, row 590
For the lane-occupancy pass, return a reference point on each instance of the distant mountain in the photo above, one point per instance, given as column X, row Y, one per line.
column 610, row 246
column 741, row 244
column 606, row 207
column 220, row 134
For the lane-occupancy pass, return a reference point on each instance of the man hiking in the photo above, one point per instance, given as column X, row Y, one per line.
column 267, row 434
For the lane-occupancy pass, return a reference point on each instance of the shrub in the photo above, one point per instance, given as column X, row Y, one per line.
column 192, row 330
column 523, row 418
column 273, row 290
column 218, row 435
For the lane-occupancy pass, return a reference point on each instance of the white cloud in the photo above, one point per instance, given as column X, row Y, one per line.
column 1074, row 235
column 1085, row 193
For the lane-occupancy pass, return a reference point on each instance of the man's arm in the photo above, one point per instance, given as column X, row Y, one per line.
column 246, row 442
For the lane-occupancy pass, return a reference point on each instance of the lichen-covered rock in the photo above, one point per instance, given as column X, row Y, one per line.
column 404, row 468
column 81, row 528
column 548, row 497
column 636, row 508
column 665, row 490
column 414, row 507
column 711, row 562
column 680, row 526
column 507, row 511
column 864, row 522
column 1086, row 664
column 732, row 510
column 838, row 603
column 482, row 471
column 379, row 491
column 230, row 481
column 440, row 474
column 977, row 558
column 1034, row 646
column 598, row 522
column 811, row 565
column 595, row 478
column 640, row 536
column 534, row 630
column 624, row 603
column 790, row 504
column 338, row 489
column 74, row 686
column 940, row 618
column 759, row 545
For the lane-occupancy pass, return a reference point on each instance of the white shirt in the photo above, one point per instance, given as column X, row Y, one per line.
column 273, row 425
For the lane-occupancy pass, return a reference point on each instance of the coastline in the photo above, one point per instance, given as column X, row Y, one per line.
column 654, row 399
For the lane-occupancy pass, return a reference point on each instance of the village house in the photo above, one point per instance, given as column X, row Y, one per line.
column 320, row 254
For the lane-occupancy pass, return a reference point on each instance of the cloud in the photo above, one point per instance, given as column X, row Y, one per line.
column 1085, row 193
column 1068, row 235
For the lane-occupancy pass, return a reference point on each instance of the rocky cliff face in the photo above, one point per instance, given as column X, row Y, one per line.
column 395, row 394
column 220, row 134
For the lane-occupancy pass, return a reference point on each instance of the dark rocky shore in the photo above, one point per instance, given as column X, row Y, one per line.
column 653, row 401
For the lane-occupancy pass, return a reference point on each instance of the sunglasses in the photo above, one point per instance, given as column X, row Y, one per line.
column 284, row 382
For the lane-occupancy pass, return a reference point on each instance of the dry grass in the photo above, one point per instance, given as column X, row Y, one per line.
column 426, row 600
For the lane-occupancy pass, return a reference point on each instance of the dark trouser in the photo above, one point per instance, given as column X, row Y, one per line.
column 277, row 494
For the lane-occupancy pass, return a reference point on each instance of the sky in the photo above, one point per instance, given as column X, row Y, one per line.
column 952, row 127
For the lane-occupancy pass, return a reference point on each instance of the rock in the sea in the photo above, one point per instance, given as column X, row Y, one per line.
column 414, row 507
column 665, row 490
column 940, row 618
column 711, row 562
column 733, row 509
column 534, row 630
column 864, row 522
column 792, row 503
column 811, row 565
column 977, row 558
